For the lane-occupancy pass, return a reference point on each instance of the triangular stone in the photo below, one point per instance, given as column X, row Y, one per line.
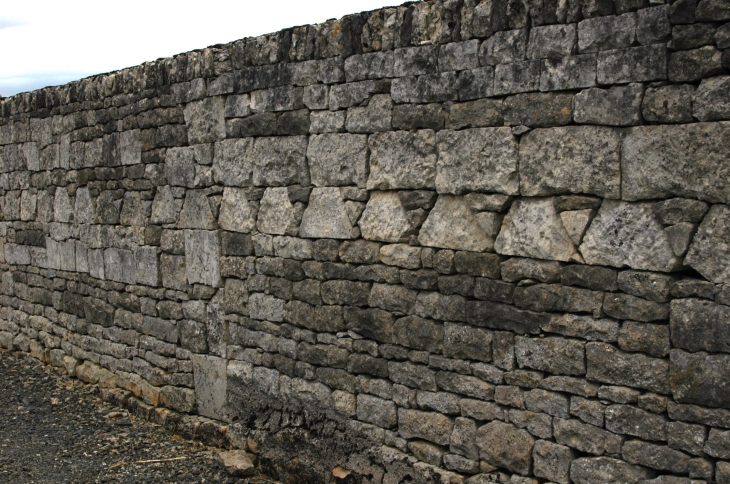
column 532, row 228
column 326, row 216
column 453, row 225
column 236, row 214
column 576, row 222
column 277, row 215
column 196, row 212
column 165, row 208
column 384, row 218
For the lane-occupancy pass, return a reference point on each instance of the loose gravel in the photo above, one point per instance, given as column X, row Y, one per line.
column 55, row 429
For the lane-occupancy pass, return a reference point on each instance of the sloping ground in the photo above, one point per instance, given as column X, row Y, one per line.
column 55, row 429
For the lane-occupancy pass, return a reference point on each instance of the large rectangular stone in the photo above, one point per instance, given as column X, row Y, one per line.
column 505, row 317
column 684, row 160
column 430, row 426
column 570, row 72
column 580, row 159
column 700, row 378
column 636, row 64
column 317, row 318
column 147, row 267
column 462, row 164
column 700, row 325
column 120, row 265
column 606, row 364
column 210, row 386
column 338, row 159
column 280, row 161
column 402, row 160
column 202, row 254
column 555, row 355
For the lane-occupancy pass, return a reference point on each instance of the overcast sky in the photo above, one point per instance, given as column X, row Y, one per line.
column 50, row 42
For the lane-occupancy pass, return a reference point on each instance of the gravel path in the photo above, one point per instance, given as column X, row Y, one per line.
column 55, row 429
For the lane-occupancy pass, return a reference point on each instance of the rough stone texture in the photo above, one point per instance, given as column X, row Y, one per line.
column 660, row 161
column 485, row 161
column 570, row 160
column 464, row 231
column 416, row 241
column 519, row 235
column 708, row 252
column 628, row 234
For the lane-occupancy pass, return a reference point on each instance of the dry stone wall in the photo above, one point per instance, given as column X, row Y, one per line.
column 461, row 241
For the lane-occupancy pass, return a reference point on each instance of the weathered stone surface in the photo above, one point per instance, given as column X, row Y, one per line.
column 652, row 339
column 238, row 463
column 280, row 161
column 718, row 444
column 700, row 325
column 375, row 117
column 655, row 456
column 532, row 228
column 430, row 426
column 668, row 104
column 384, row 218
column 463, row 341
column 554, row 355
column 402, row 160
column 660, row 161
column 608, row 365
column 585, row 437
column 210, row 385
column 628, row 420
column 503, row 445
column 552, row 461
column 606, row 33
column 538, row 109
column 196, row 212
column 700, row 378
column 180, row 167
column 517, row 268
column 551, row 41
column 467, row 169
column 589, row 470
column 516, row 77
column 235, row 213
column 419, row 333
column 277, row 215
column 326, row 216
column 710, row 250
column 617, row 106
column 464, row 231
column 585, row 327
column 709, row 101
column 624, row 306
column 376, row 411
column 201, row 257
column 570, row 160
column 338, row 159
column 204, row 120
column 628, row 234
column 635, row 64
column 570, row 72
column 504, row 47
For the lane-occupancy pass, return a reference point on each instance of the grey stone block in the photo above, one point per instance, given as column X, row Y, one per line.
column 419, row 116
column 351, row 94
column 475, row 83
column 538, row 109
column 617, row 106
column 652, row 339
column 608, row 365
column 650, row 248
column 327, row 122
column 555, row 355
column 120, row 265
column 552, row 461
column 707, row 254
column 636, row 64
column 693, row 65
column 338, row 159
column 280, row 161
column 414, row 61
column 652, row 25
column 503, row 445
column 130, row 147
column 551, row 41
column 652, row 167
column 519, row 76
column 277, row 215
column 655, row 456
column 210, row 386
column 205, row 120
column 504, row 47
column 231, row 162
column 697, row 378
column 628, row 420
column 373, row 65
column 425, row 89
column 202, row 253
column 586, row 438
column 388, row 151
column 466, row 170
column 587, row 470
column 376, row 411
column 458, row 56
column 607, row 33
column 326, row 216
column 147, row 269
column 430, row 426
column 180, row 167
column 374, row 117
column 236, row 215
column 570, row 72
column 710, row 101
column 699, row 325
column 384, row 218
column 465, row 232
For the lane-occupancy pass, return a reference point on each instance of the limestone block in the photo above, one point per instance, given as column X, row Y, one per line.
column 555, row 355
column 710, row 101
column 635, row 64
column 384, row 218
column 84, row 206
column 210, row 386
column 576, row 222
column 120, row 266
column 277, row 215
column 82, row 257
column 62, row 209
column 28, row 205
column 430, row 426
column 504, row 47
column 202, row 257
column 165, row 208
column 130, row 147
column 709, row 252
column 606, row 364
column 628, row 234
column 180, row 167
column 204, row 120
column 280, row 161
column 570, row 72
column 570, row 160
column 589, row 470
column 551, row 41
column 96, row 264
column 196, row 212
column 668, row 104
column 338, row 159
column 374, row 117
column 617, row 106
column 452, row 224
column 552, row 461
column 606, row 33
column 236, row 215
column 462, row 164
column 700, row 378
column 504, row 445
column 326, row 216
column 532, row 228
column 402, row 159
column 147, row 269
column 686, row 161
column 516, row 77
column 232, row 164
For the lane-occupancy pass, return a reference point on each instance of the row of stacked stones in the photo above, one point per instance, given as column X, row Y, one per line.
column 462, row 241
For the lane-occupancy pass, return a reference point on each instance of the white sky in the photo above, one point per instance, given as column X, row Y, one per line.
column 50, row 42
